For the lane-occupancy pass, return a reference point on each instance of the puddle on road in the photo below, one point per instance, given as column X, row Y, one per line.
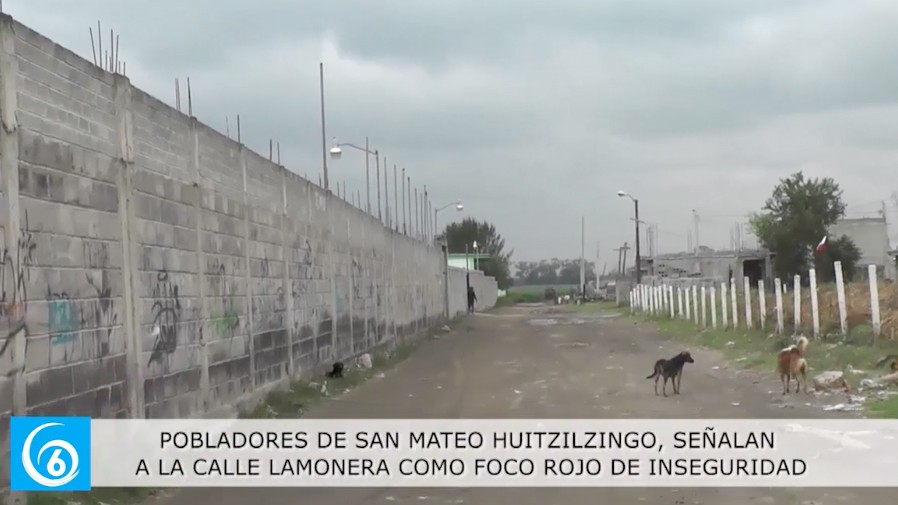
column 579, row 320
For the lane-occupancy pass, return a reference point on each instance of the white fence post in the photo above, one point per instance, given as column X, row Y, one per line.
column 704, row 307
column 680, row 312
column 762, row 304
column 652, row 304
column 735, row 306
column 723, row 305
column 796, row 296
column 670, row 301
column 815, row 307
column 746, row 287
column 688, row 304
column 713, row 308
column 840, row 293
column 632, row 307
column 778, row 286
column 874, row 301
column 695, row 303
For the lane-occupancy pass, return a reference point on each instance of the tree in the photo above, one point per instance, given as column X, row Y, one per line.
column 488, row 241
column 796, row 217
column 554, row 271
column 841, row 249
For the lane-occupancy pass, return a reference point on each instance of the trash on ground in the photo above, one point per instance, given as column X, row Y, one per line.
column 831, row 379
column 364, row 362
column 844, row 407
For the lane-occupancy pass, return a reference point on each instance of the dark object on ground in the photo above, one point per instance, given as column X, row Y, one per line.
column 892, row 359
column 671, row 369
column 337, row 371
column 550, row 294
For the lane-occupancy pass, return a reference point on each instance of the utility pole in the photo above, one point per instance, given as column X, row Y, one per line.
column 597, row 265
column 695, row 221
column 624, row 250
column 619, row 252
column 367, row 175
column 583, row 257
column 323, row 130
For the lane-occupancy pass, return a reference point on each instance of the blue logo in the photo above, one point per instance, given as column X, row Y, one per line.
column 49, row 453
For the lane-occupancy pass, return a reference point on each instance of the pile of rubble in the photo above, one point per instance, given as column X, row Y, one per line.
column 833, row 381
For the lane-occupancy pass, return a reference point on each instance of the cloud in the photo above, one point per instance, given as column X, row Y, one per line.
column 536, row 113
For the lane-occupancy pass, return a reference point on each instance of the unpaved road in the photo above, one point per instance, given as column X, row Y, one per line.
column 520, row 363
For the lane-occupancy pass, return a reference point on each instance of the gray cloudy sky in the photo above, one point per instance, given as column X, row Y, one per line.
column 535, row 113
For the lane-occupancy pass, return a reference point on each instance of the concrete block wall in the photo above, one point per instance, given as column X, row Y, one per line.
column 152, row 267
column 485, row 287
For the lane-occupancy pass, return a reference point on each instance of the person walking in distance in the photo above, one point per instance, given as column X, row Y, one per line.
column 472, row 297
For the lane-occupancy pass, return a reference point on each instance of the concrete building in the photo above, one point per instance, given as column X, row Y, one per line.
column 465, row 261
column 871, row 236
column 711, row 265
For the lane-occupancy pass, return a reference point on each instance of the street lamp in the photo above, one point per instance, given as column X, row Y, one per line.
column 622, row 194
column 337, row 151
column 467, row 268
column 458, row 206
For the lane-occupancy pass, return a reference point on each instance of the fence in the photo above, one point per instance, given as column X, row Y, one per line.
column 862, row 308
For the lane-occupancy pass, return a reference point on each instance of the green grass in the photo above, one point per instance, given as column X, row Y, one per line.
column 291, row 403
column 302, row 395
column 516, row 297
column 541, row 288
column 755, row 349
column 885, row 409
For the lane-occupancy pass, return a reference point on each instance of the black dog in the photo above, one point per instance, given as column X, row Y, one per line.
column 337, row 371
column 671, row 369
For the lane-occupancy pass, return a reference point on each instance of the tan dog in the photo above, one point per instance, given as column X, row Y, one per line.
column 790, row 363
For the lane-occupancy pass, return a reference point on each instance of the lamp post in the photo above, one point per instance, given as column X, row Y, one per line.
column 636, row 218
column 475, row 254
column 337, row 151
column 458, row 207
column 467, row 268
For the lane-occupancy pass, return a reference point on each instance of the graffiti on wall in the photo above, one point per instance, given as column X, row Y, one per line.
column 14, row 274
column 225, row 324
column 62, row 317
column 98, row 312
column 166, row 318
column 357, row 279
column 338, row 295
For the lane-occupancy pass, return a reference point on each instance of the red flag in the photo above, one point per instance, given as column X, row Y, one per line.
column 821, row 246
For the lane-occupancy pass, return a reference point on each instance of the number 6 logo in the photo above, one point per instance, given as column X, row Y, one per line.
column 56, row 466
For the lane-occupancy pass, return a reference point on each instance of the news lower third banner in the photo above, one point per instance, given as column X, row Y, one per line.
column 70, row 453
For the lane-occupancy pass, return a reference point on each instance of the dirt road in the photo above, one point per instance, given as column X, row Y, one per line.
column 523, row 362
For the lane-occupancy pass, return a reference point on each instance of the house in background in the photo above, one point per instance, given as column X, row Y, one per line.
column 713, row 265
column 465, row 261
column 871, row 236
